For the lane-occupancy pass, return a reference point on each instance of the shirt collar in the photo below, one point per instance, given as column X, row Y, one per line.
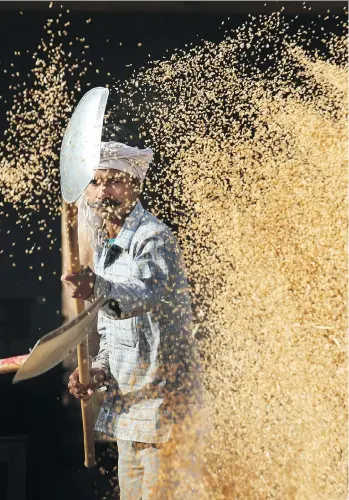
column 129, row 227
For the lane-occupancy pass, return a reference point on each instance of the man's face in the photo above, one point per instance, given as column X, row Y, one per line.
column 112, row 194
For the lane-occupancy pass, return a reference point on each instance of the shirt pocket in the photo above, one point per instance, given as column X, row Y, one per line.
column 126, row 333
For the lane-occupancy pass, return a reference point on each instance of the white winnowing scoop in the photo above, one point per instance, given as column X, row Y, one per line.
column 81, row 145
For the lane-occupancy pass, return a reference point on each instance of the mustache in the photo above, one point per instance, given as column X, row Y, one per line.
column 107, row 202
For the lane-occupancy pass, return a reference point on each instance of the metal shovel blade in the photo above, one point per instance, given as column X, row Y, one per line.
column 51, row 349
column 81, row 145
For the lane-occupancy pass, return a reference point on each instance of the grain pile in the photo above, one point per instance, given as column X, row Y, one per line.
column 252, row 142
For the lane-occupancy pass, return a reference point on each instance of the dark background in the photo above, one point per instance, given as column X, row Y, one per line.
column 41, row 452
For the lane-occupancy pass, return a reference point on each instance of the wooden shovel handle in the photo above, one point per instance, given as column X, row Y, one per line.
column 73, row 262
column 12, row 364
column 86, row 406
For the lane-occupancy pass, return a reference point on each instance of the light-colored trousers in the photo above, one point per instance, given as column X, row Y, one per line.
column 138, row 469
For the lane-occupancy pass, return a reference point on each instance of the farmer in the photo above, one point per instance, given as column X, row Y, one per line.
column 146, row 356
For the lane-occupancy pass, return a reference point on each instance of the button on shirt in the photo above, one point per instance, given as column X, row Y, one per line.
column 144, row 328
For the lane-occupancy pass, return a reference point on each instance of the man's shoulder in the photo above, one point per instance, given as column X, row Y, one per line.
column 151, row 226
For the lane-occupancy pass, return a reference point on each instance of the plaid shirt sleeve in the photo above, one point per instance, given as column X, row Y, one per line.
column 151, row 269
column 101, row 361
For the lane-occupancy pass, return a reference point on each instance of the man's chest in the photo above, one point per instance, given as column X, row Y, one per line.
column 114, row 264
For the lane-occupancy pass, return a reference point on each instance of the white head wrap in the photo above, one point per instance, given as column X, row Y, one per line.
column 119, row 157
column 125, row 158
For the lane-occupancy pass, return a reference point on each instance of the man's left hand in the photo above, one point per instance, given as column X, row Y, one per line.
column 80, row 285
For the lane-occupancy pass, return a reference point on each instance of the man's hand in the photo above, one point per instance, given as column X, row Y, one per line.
column 80, row 285
column 81, row 392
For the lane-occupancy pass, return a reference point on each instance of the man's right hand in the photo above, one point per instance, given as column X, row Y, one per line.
column 79, row 391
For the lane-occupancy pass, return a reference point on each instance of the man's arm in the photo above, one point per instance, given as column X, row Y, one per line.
column 151, row 270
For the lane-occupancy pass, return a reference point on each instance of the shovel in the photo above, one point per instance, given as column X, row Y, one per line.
column 79, row 156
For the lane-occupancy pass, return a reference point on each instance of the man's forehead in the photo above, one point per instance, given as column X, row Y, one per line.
column 111, row 173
